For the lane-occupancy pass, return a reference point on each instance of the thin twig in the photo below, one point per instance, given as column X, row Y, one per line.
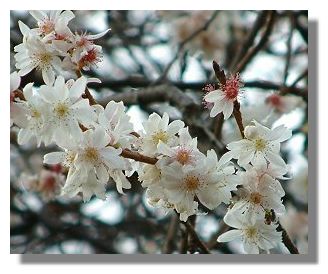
column 238, row 117
column 126, row 153
column 199, row 242
column 289, row 48
column 287, row 241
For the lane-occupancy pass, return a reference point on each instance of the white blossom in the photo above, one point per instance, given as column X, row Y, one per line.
column 257, row 196
column 223, row 99
column 204, row 181
column 284, row 103
column 33, row 121
column 53, row 23
column 184, row 153
column 159, row 129
column 91, row 155
column 66, row 109
column 254, row 236
column 34, row 53
column 117, row 124
column 260, row 144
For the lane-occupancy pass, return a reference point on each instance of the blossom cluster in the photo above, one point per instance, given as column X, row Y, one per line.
column 95, row 139
column 53, row 48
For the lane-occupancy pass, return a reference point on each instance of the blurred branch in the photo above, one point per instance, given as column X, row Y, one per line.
column 258, row 24
column 254, row 50
column 193, row 233
column 183, row 43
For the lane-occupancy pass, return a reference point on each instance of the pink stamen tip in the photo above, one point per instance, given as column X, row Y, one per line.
column 232, row 87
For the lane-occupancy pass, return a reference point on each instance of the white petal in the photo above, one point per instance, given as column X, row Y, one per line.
column 24, row 136
column 25, row 30
column 48, row 76
column 251, row 248
column 54, row 158
column 14, row 81
column 230, row 235
column 275, row 159
column 175, row 126
column 38, row 15
column 214, row 96
column 78, row 88
column 97, row 36
column 165, row 149
column 102, row 174
column 227, row 109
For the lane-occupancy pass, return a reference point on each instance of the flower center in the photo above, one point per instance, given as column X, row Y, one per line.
column 251, row 232
column 43, row 60
column 192, row 183
column 260, row 144
column 256, row 198
column 91, row 154
column 160, row 136
column 183, row 156
column 35, row 114
column 92, row 57
column 70, row 156
column 232, row 87
column 61, row 110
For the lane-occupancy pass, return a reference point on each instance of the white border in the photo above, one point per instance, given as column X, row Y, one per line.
column 317, row 12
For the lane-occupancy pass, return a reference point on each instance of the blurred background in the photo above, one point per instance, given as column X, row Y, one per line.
column 156, row 61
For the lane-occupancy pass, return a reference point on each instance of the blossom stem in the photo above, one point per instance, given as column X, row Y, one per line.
column 193, row 233
column 239, row 120
column 287, row 241
column 19, row 94
column 126, row 153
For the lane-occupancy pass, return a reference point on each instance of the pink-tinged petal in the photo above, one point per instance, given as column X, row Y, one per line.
column 230, row 235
